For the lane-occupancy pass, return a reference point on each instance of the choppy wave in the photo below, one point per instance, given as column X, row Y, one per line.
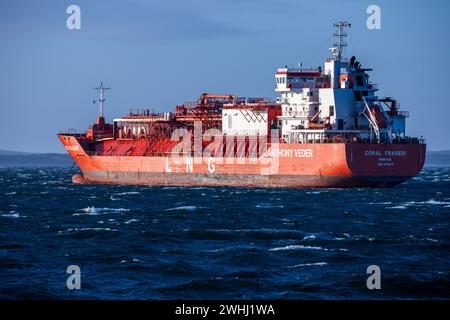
column 75, row 230
column 409, row 204
column 131, row 260
column 319, row 264
column 11, row 214
column 267, row 231
column 96, row 211
column 183, row 208
column 398, row 207
column 303, row 247
column 269, row 206
column 127, row 193
column 315, row 192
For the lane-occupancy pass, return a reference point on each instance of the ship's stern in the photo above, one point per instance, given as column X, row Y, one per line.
column 384, row 165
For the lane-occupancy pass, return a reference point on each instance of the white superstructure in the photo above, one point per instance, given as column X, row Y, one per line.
column 336, row 100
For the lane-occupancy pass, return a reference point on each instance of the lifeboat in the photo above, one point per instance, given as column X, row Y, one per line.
column 321, row 125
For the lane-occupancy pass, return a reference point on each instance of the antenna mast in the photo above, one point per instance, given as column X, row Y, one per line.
column 101, row 89
column 340, row 36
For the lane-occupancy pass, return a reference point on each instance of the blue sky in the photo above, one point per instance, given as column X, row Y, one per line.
column 158, row 53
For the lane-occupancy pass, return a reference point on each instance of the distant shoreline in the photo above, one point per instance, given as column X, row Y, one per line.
column 25, row 159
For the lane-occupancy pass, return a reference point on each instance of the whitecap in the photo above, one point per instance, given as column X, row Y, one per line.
column 132, row 260
column 314, row 192
column 12, row 214
column 11, row 193
column 261, row 230
column 73, row 230
column 432, row 240
column 432, row 201
column 297, row 247
column 96, row 211
column 130, row 221
column 320, row 264
column 311, row 237
column 268, row 206
column 397, row 207
column 185, row 208
column 216, row 250
column 302, row 247
column 127, row 193
column 238, row 192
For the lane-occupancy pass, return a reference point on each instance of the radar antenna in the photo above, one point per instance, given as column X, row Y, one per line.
column 101, row 89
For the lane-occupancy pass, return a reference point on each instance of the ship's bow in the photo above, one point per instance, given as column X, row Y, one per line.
column 73, row 146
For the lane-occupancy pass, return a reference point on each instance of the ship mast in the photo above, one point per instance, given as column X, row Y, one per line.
column 338, row 49
column 340, row 36
column 101, row 89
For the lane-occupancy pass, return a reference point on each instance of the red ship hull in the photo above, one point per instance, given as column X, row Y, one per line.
column 286, row 165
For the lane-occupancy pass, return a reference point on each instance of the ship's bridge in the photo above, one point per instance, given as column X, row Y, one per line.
column 289, row 79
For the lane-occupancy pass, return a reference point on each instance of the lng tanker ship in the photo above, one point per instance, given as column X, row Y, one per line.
column 327, row 128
